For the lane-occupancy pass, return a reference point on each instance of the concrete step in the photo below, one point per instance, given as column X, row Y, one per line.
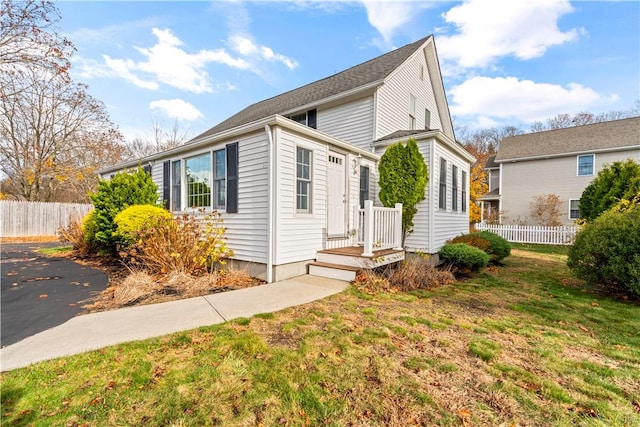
column 333, row 271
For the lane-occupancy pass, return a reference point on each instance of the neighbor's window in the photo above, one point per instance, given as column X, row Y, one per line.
column 454, row 187
column 364, row 185
column 412, row 112
column 442, row 194
column 176, row 185
column 303, row 180
column 574, row 209
column 219, row 179
column 464, row 191
column 586, row 164
column 198, row 174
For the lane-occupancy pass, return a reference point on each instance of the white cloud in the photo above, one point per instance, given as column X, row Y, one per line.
column 490, row 29
column 246, row 47
column 388, row 16
column 486, row 98
column 177, row 109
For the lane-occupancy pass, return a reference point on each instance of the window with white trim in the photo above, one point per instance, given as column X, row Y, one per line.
column 586, row 164
column 219, row 179
column 427, row 119
column 412, row 112
column 442, row 193
column 303, row 179
column 198, row 175
column 574, row 208
column 464, row 191
column 454, row 188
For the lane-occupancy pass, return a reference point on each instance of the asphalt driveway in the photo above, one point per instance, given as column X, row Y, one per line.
column 38, row 292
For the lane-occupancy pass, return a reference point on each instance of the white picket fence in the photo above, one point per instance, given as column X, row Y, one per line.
column 23, row 219
column 564, row 235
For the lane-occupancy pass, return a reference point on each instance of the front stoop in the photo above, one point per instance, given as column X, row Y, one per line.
column 344, row 263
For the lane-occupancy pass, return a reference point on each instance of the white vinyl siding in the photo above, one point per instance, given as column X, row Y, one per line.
column 448, row 223
column 299, row 235
column 419, row 238
column 393, row 95
column 156, row 176
column 351, row 122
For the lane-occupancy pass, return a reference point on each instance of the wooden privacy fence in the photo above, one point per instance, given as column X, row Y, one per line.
column 22, row 219
column 564, row 235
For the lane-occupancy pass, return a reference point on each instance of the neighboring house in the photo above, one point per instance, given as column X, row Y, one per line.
column 561, row 162
column 291, row 174
column 490, row 202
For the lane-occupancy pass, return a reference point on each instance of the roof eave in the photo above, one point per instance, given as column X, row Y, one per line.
column 437, row 134
column 568, row 154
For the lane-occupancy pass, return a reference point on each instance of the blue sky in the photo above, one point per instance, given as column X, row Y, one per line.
column 504, row 62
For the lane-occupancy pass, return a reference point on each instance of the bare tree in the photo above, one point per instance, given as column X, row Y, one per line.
column 546, row 209
column 159, row 139
column 29, row 37
column 53, row 137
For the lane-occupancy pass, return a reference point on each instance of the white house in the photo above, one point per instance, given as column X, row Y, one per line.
column 291, row 175
column 561, row 162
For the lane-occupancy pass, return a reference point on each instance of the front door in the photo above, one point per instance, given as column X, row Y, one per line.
column 336, row 194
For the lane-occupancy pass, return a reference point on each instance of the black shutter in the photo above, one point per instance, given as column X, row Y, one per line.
column 166, row 184
column 147, row 169
column 232, row 178
column 311, row 118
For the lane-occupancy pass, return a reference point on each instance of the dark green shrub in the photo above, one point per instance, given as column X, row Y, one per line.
column 133, row 219
column 463, row 259
column 493, row 245
column 113, row 196
column 403, row 179
column 498, row 248
column 607, row 251
column 620, row 180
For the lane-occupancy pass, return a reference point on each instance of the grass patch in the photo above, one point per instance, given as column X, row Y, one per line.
column 524, row 343
column 56, row 250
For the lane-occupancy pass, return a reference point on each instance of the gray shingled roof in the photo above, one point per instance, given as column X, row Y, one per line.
column 578, row 139
column 402, row 134
column 491, row 163
column 360, row 75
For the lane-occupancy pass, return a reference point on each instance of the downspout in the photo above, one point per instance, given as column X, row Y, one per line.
column 270, row 203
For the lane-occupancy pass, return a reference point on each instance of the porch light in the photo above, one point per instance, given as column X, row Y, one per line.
column 355, row 163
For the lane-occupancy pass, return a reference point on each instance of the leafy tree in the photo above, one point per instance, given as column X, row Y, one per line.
column 112, row 197
column 620, row 180
column 403, row 179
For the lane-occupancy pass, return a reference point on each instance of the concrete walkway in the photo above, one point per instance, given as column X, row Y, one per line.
column 94, row 331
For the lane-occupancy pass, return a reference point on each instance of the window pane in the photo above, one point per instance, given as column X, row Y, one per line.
column 221, row 164
column 585, row 165
column 303, row 179
column 198, row 174
column 364, row 185
column 574, row 209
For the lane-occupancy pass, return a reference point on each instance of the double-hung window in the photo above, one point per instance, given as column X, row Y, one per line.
column 574, row 209
column 303, row 179
column 176, row 185
column 464, row 191
column 219, row 179
column 586, row 164
column 364, row 185
column 198, row 175
column 454, row 187
column 442, row 193
column 412, row 112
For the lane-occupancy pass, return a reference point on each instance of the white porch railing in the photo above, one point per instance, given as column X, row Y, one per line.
column 564, row 235
column 378, row 228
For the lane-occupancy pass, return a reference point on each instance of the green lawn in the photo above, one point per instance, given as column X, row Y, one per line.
column 522, row 344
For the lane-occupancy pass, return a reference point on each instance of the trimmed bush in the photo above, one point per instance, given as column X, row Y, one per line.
column 493, row 245
column 606, row 252
column 112, row 197
column 463, row 259
column 498, row 248
column 135, row 218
